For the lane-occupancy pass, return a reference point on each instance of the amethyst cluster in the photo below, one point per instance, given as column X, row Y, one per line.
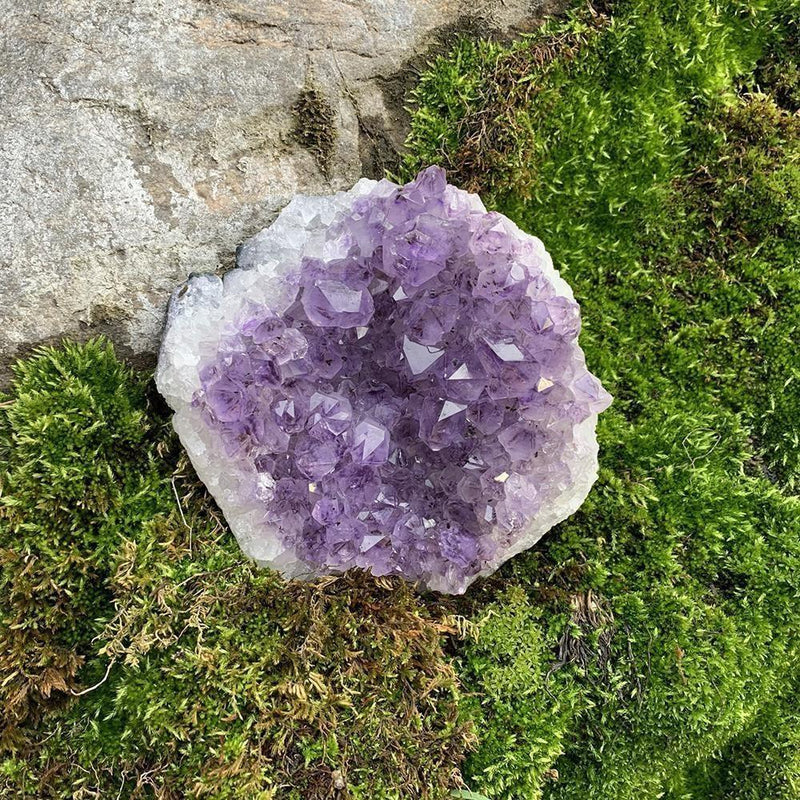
column 389, row 380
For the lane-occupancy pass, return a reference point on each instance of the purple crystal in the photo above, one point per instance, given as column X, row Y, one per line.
column 337, row 298
column 289, row 414
column 370, row 443
column 415, row 404
column 330, row 413
column 228, row 399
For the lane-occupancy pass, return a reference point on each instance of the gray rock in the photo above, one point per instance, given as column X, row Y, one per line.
column 141, row 140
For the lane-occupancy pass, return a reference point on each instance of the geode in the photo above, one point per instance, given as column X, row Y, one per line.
column 390, row 379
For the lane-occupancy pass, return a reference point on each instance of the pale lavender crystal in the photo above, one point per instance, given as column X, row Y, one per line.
column 370, row 443
column 390, row 380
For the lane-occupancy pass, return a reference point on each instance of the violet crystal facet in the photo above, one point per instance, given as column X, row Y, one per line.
column 391, row 380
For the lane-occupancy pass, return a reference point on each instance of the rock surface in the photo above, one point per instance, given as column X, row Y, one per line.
column 141, row 141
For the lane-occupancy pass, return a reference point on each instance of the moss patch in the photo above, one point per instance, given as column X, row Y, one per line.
column 638, row 142
column 80, row 475
column 314, row 127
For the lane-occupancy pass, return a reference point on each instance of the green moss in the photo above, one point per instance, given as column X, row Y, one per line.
column 79, row 476
column 522, row 708
column 764, row 762
column 667, row 195
column 231, row 683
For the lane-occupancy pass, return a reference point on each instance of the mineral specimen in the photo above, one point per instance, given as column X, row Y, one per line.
column 390, row 379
